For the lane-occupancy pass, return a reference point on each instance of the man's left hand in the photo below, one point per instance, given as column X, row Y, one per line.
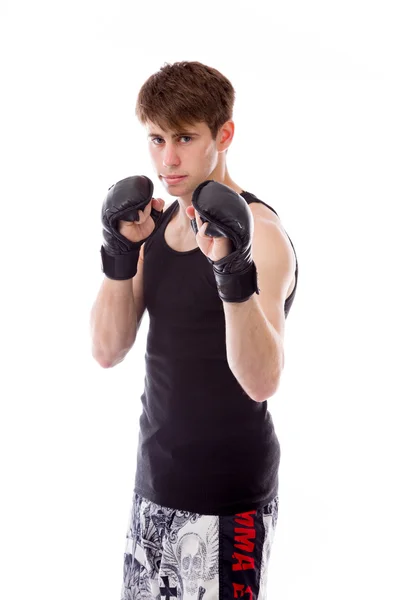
column 220, row 212
column 214, row 248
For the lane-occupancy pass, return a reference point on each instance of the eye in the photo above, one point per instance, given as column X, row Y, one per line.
column 187, row 137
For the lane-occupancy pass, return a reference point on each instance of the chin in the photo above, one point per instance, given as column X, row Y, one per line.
column 179, row 190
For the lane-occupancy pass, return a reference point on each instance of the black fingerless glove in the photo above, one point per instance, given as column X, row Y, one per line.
column 123, row 201
column 228, row 215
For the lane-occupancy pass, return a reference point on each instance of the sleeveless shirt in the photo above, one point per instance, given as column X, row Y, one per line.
column 204, row 445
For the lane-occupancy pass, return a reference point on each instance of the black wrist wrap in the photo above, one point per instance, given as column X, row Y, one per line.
column 120, row 266
column 237, row 287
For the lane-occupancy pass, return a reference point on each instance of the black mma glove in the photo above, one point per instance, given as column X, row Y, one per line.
column 120, row 255
column 228, row 215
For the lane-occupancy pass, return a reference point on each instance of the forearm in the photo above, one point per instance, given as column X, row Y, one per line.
column 254, row 351
column 113, row 322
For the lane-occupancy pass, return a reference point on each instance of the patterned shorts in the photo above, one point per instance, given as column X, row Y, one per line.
column 178, row 554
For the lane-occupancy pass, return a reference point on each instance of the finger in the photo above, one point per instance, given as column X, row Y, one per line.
column 198, row 220
column 144, row 214
column 202, row 227
column 157, row 203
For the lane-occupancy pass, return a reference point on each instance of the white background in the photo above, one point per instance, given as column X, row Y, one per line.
column 317, row 137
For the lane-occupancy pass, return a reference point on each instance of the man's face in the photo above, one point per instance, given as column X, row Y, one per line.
column 190, row 152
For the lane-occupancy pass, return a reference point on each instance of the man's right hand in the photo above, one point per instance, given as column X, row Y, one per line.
column 140, row 230
column 126, row 220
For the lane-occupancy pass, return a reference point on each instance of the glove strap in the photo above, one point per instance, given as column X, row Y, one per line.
column 237, row 287
column 120, row 266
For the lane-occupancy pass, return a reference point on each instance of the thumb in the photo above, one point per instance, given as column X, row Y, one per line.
column 190, row 212
column 158, row 203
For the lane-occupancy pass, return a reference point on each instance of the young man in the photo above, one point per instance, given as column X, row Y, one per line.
column 218, row 274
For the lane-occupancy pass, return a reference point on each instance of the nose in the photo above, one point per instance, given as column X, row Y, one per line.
column 170, row 156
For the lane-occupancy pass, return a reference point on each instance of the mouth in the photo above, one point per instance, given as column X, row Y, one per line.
column 173, row 180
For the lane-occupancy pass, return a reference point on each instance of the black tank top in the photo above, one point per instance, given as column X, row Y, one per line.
column 204, row 445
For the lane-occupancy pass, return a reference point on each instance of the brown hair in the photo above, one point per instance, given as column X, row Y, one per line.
column 185, row 93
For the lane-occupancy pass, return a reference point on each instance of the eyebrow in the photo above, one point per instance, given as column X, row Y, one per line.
column 175, row 135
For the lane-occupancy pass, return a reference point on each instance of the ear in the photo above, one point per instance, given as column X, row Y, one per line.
column 225, row 136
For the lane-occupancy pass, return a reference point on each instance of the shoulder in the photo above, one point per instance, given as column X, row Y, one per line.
column 270, row 236
column 260, row 211
column 266, row 218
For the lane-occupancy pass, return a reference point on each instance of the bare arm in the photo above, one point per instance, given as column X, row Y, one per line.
column 255, row 329
column 116, row 316
column 254, row 348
